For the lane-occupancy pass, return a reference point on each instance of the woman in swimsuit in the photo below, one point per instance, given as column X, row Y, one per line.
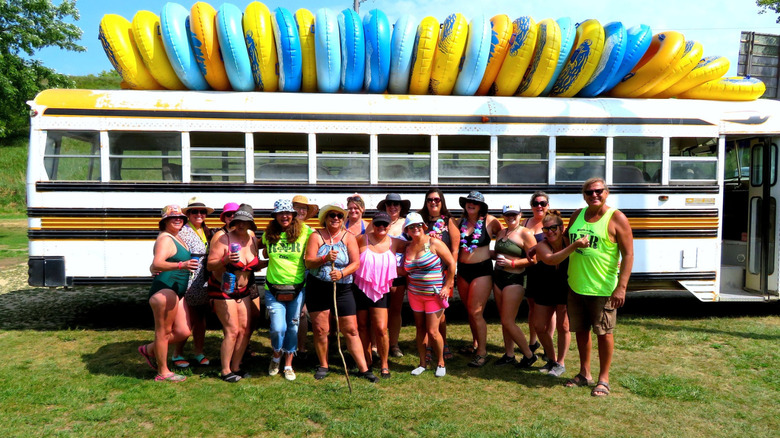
column 512, row 244
column 553, row 252
column 355, row 209
column 284, row 243
column 234, row 308
column 372, row 285
column 332, row 257
column 441, row 226
column 172, row 261
column 535, row 283
column 475, row 269
column 428, row 288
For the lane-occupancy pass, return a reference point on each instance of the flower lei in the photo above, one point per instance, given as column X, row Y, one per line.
column 437, row 229
column 475, row 237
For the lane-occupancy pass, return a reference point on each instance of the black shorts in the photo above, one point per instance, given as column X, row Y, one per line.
column 319, row 296
column 503, row 278
column 399, row 281
column 470, row 271
column 364, row 303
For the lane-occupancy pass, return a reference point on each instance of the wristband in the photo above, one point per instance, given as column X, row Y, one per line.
column 179, row 266
column 513, row 263
column 323, row 258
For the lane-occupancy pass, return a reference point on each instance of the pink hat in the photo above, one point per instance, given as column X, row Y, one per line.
column 229, row 207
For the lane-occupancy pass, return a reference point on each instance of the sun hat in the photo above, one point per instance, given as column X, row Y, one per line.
column 475, row 197
column 333, row 206
column 511, row 208
column 284, row 206
column 395, row 197
column 381, row 217
column 170, row 211
column 228, row 208
column 414, row 218
column 313, row 208
column 196, row 202
column 244, row 214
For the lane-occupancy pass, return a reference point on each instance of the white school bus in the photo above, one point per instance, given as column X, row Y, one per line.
column 697, row 179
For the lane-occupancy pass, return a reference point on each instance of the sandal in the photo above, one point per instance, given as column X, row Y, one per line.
column 230, row 377
column 598, row 391
column 149, row 358
column 172, row 377
column 578, row 380
column 478, row 361
column 467, row 350
column 201, row 359
column 447, row 353
column 180, row 361
column 395, row 351
column 321, row 372
column 385, row 373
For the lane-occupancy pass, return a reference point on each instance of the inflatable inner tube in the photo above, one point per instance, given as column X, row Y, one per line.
column 501, row 34
column 544, row 61
column 475, row 58
column 327, row 51
column 708, row 69
column 376, row 29
column 691, row 57
column 233, row 48
column 116, row 36
column 568, row 35
column 423, row 54
column 737, row 88
column 260, row 42
column 661, row 57
column 288, row 48
column 583, row 60
column 402, row 44
column 353, row 51
column 146, row 30
column 176, row 40
column 615, row 42
column 449, row 51
column 304, row 19
column 521, row 51
column 205, row 45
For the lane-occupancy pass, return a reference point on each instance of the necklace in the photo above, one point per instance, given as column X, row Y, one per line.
column 438, row 228
column 475, row 237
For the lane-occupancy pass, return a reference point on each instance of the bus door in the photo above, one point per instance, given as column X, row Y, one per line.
column 761, row 274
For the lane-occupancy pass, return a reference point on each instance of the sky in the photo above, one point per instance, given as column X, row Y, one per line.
column 717, row 26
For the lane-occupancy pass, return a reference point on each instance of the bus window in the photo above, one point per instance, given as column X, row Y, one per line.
column 579, row 158
column 756, row 166
column 464, row 159
column 217, row 156
column 342, row 157
column 693, row 160
column 737, row 163
column 141, row 156
column 404, row 158
column 72, row 155
column 523, row 160
column 637, row 160
column 281, row 157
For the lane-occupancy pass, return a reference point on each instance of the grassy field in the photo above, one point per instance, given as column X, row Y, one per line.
column 13, row 165
column 682, row 368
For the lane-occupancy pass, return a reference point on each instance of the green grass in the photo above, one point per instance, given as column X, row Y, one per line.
column 13, row 165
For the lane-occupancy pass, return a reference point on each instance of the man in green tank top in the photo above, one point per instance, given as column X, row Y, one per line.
column 598, row 279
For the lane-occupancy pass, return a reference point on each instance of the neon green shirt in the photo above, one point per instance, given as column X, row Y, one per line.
column 285, row 260
column 594, row 270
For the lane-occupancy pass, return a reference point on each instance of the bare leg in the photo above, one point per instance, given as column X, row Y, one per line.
column 364, row 331
column 348, row 325
column 478, row 296
column 532, row 337
column 512, row 297
column 584, row 344
column 227, row 313
column 509, row 345
column 394, row 313
column 606, row 348
column 419, row 324
column 320, row 325
column 303, row 329
column 564, row 336
column 463, row 292
column 541, row 319
column 379, row 322
column 165, row 305
column 434, row 337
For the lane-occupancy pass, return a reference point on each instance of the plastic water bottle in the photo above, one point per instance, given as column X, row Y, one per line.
column 192, row 274
column 444, row 301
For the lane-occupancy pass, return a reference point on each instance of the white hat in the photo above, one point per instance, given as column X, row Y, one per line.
column 512, row 208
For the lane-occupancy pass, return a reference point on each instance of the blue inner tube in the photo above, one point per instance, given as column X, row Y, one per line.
column 288, row 49
column 353, row 51
column 404, row 33
column 175, row 31
column 568, row 35
column 638, row 39
column 615, row 41
column 327, row 50
column 233, row 48
column 378, row 51
column 475, row 57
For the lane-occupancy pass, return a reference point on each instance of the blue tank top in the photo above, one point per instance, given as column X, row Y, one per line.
column 323, row 272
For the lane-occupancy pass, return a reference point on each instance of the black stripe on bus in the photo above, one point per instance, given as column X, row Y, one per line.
column 671, row 276
column 365, row 188
column 412, row 118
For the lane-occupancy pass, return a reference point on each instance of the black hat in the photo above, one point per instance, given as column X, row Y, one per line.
column 244, row 214
column 406, row 204
column 381, row 217
column 475, row 197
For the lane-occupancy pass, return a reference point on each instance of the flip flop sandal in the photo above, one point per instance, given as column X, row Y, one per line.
column 172, row 377
column 201, row 359
column 598, row 391
column 478, row 361
column 578, row 380
column 385, row 373
column 180, row 361
column 447, row 353
column 231, row 377
column 467, row 350
column 149, row 358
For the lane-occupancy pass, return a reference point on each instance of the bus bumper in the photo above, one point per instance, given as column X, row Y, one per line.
column 47, row 272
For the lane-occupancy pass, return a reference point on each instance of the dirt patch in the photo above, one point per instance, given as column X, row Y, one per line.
column 13, row 261
column 13, row 223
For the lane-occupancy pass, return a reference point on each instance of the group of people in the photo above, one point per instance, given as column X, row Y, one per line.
column 356, row 273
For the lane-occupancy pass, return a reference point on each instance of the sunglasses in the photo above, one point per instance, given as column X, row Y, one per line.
column 594, row 191
column 354, row 198
column 539, row 203
column 177, row 218
column 392, row 203
column 414, row 226
column 198, row 211
column 380, row 224
column 231, row 214
column 434, row 200
column 550, row 228
column 333, row 215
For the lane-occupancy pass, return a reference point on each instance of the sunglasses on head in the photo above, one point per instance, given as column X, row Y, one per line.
column 199, row 211
column 591, row 192
column 354, row 198
column 550, row 228
column 334, row 215
column 434, row 200
column 539, row 203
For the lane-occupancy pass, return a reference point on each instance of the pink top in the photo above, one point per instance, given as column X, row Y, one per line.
column 376, row 273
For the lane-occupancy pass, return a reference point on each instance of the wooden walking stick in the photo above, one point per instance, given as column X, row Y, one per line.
column 338, row 329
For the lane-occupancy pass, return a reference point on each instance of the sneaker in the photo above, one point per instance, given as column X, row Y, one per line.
column 289, row 374
column 273, row 368
column 535, row 346
column 368, row 375
column 547, row 367
column 321, row 372
column 557, row 370
column 440, row 372
column 417, row 371
column 526, row 362
column 505, row 360
column 395, row 351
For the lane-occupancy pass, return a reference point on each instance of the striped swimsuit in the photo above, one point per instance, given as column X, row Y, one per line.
column 425, row 273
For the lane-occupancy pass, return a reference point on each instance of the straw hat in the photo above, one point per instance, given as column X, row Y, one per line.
column 196, row 202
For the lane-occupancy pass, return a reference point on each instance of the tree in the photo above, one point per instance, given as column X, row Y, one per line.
column 769, row 6
column 25, row 27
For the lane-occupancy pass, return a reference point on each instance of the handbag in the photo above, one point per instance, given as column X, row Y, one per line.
column 196, row 294
column 284, row 292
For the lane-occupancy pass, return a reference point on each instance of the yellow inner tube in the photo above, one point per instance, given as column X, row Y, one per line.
column 449, row 51
column 116, row 35
column 691, row 57
column 203, row 28
column 731, row 88
column 259, row 35
column 542, row 68
column 305, row 21
column 149, row 42
column 425, row 47
column 661, row 57
column 501, row 29
column 708, row 69
column 520, row 53
column 583, row 60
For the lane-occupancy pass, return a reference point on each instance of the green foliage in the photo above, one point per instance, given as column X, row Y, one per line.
column 769, row 6
column 13, row 164
column 105, row 80
column 25, row 27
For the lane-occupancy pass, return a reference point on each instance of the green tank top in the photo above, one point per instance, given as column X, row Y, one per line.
column 509, row 247
column 285, row 260
column 594, row 270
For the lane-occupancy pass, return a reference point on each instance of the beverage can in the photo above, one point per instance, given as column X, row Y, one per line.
column 234, row 247
column 228, row 283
